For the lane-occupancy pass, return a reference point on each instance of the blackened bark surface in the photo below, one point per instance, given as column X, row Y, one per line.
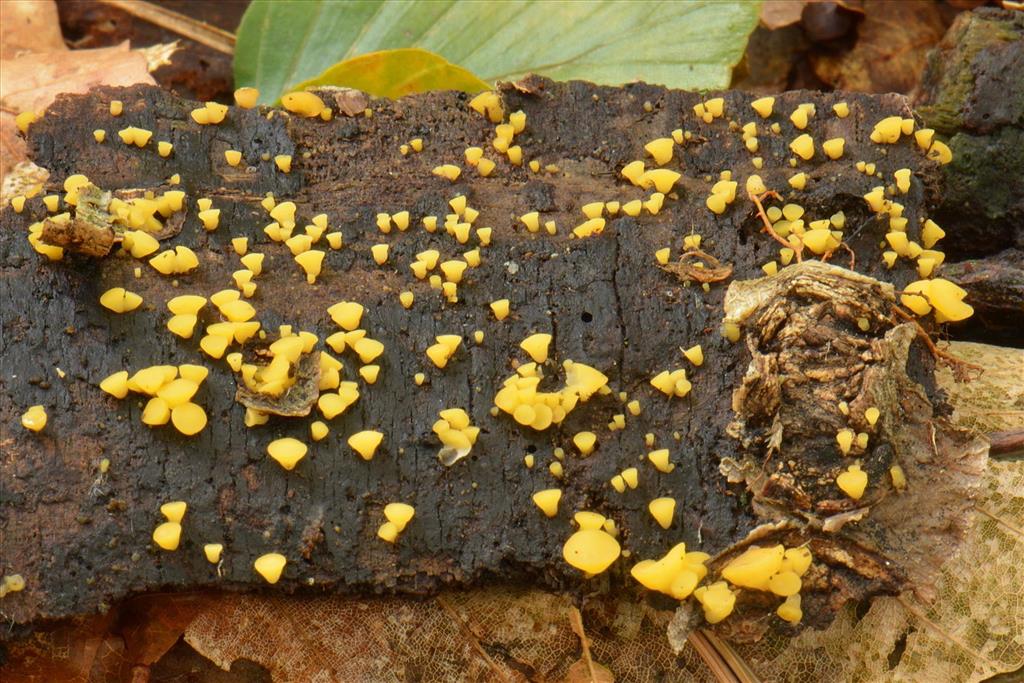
column 82, row 538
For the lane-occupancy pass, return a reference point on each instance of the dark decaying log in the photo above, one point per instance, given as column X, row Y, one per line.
column 81, row 537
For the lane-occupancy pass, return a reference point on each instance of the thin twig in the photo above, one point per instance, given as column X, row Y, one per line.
column 718, row 667
column 768, row 224
column 957, row 365
column 1006, row 443
column 576, row 622
column 186, row 26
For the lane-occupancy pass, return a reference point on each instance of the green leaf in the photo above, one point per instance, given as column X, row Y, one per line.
column 394, row 73
column 692, row 44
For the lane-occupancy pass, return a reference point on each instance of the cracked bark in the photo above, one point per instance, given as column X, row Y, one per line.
column 81, row 538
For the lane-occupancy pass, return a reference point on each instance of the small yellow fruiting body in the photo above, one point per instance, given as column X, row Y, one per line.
column 536, row 345
column 246, row 98
column 365, row 443
column 449, row 171
column 213, row 552
column 167, row 535
column 116, row 107
column 287, row 451
column 99, row 135
column 790, row 609
column 663, row 510
column 120, row 300
column 658, row 458
column 210, row 219
column 591, row 550
column 302, row 103
column 174, row 511
column 585, row 442
column 803, row 147
column 833, row 148
column 188, row 418
column 500, row 308
column 34, row 419
column 717, row 600
column 283, row 163
column 270, row 566
column 899, row 478
column 754, row 567
column 24, row 120
column 233, row 157
column 695, row 354
column 871, row 415
column 845, row 440
column 399, row 514
column 853, row 481
column 661, row 149
column 763, row 106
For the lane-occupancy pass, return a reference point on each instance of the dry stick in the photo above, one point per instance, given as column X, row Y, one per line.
column 199, row 31
column 576, row 622
column 957, row 365
column 1006, row 443
column 725, row 663
column 472, row 637
column 716, row 664
column 768, row 224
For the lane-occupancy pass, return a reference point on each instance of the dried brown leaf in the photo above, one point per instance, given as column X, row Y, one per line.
column 776, row 14
column 889, row 56
column 29, row 26
column 592, row 672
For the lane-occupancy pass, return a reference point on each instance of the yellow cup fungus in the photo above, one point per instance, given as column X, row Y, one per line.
column 246, row 97
column 946, row 298
column 790, row 609
column 302, row 103
column 346, row 314
column 213, row 552
column 661, row 149
column 676, row 574
column 833, row 148
column 116, row 384
column 717, row 600
column 167, row 535
column 174, row 511
column 591, row 550
column 853, row 481
column 188, row 418
column 899, row 477
column 34, row 419
column 659, row 458
column 754, row 567
column 672, row 383
column 763, row 106
column 399, row 514
column 287, row 451
column 441, row 352
column 536, row 346
column 585, row 442
column 120, row 300
column 270, row 566
column 365, row 443
column 803, row 146
column 663, row 510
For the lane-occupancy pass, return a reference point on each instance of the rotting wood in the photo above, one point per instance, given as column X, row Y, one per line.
column 603, row 299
